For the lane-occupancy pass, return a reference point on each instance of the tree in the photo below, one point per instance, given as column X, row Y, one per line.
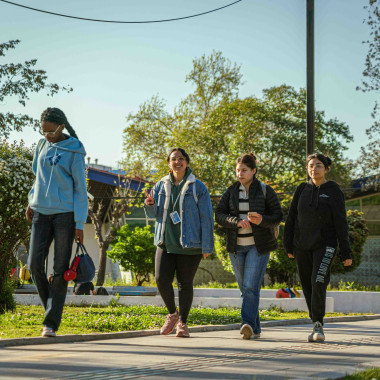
column 21, row 79
column 16, row 179
column 134, row 250
column 273, row 128
column 216, row 126
column 152, row 130
column 369, row 160
column 119, row 204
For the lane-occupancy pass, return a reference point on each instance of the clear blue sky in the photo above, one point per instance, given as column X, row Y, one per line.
column 113, row 68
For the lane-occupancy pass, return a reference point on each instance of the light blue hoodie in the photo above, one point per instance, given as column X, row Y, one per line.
column 60, row 184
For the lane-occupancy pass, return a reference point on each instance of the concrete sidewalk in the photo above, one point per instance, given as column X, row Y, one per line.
column 281, row 353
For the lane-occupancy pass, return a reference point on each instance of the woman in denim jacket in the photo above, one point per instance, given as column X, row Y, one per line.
column 184, row 231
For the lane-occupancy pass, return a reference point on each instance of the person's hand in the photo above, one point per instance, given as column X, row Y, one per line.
column 205, row 255
column 149, row 201
column 347, row 262
column 255, row 217
column 243, row 224
column 290, row 255
column 79, row 236
column 29, row 214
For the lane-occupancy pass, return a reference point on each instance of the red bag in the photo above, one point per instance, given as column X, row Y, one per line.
column 282, row 293
column 71, row 273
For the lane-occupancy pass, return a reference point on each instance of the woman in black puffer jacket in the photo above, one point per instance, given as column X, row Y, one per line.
column 251, row 212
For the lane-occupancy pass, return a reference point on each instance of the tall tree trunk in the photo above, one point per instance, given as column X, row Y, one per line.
column 102, row 263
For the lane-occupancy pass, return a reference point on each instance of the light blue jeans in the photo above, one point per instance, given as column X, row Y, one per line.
column 249, row 268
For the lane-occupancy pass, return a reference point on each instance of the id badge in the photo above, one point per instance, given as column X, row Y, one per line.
column 175, row 217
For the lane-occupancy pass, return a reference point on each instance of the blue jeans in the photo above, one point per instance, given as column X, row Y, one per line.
column 249, row 268
column 45, row 228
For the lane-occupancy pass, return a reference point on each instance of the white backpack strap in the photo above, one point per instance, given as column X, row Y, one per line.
column 264, row 188
column 195, row 192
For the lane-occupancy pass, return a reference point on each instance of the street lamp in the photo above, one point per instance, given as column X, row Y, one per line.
column 309, row 77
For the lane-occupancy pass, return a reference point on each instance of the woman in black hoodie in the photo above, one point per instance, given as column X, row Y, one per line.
column 316, row 221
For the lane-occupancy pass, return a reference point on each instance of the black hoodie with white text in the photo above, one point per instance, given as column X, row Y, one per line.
column 318, row 218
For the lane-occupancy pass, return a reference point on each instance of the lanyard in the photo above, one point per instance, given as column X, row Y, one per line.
column 175, row 200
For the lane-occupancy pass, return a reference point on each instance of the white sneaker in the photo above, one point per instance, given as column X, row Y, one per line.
column 246, row 331
column 317, row 335
column 48, row 332
column 256, row 335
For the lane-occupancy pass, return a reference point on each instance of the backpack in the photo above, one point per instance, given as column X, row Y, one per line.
column 276, row 230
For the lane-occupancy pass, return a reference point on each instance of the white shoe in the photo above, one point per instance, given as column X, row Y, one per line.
column 48, row 332
column 317, row 335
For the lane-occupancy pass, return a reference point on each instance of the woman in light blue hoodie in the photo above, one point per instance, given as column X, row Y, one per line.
column 57, row 209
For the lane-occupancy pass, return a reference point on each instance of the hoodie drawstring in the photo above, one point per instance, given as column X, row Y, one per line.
column 51, row 172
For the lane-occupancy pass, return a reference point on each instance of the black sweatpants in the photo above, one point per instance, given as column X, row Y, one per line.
column 185, row 267
column 314, row 270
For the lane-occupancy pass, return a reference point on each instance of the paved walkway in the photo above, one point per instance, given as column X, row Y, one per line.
column 281, row 353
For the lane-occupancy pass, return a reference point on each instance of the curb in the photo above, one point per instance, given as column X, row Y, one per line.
column 139, row 333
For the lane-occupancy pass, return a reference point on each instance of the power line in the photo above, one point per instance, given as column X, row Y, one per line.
column 119, row 22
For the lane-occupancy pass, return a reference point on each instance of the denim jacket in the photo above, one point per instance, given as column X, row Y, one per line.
column 197, row 220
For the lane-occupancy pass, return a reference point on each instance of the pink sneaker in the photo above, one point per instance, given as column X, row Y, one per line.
column 170, row 323
column 182, row 330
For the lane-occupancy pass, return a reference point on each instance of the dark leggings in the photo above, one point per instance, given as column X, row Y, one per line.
column 314, row 270
column 185, row 267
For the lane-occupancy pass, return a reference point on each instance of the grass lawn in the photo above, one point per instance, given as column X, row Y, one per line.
column 26, row 321
column 368, row 374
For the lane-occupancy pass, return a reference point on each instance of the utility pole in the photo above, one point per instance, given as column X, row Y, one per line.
column 309, row 77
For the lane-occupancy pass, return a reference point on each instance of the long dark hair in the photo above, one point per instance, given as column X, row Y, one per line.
column 55, row 115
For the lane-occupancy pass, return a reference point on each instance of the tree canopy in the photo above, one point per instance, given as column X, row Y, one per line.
column 215, row 126
column 369, row 160
column 20, row 80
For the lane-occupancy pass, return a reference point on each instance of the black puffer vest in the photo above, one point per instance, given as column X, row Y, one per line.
column 227, row 215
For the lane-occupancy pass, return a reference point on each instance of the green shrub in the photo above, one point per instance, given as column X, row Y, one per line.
column 16, row 179
column 220, row 249
column 280, row 268
column 358, row 233
column 135, row 251
column 7, row 302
